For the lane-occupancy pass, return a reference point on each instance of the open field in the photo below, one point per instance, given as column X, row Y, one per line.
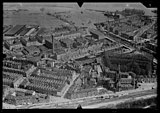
column 79, row 16
column 32, row 19
column 35, row 16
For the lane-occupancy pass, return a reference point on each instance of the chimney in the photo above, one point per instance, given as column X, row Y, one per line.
column 52, row 45
column 119, row 69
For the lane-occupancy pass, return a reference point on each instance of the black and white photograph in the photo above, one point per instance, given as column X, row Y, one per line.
column 61, row 55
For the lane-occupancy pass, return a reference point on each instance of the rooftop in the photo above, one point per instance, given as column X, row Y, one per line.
column 34, row 59
column 32, row 48
column 86, row 61
column 49, row 39
column 55, row 70
column 14, row 30
column 67, row 33
column 59, row 51
column 96, row 32
column 25, row 30
column 42, row 48
column 87, row 90
column 16, row 43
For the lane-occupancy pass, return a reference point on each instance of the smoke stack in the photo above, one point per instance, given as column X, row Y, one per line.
column 119, row 68
column 52, row 45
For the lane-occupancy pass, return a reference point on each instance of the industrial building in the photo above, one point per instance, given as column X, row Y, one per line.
column 15, row 30
column 96, row 34
column 15, row 45
column 24, row 31
column 31, row 50
column 76, row 65
column 6, row 28
column 30, row 42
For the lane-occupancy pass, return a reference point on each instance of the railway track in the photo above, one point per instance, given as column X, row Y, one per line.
column 95, row 101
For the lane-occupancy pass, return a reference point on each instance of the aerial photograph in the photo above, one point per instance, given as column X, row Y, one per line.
column 63, row 56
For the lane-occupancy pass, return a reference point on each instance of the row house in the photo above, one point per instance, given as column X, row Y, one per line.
column 81, row 52
column 71, row 35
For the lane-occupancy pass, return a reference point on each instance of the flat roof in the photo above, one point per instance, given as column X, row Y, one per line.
column 14, row 30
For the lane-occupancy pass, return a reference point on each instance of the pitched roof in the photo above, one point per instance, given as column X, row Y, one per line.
column 14, row 30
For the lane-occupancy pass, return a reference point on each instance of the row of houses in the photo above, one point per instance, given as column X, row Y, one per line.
column 48, row 82
column 126, row 28
column 80, row 52
column 83, row 93
column 17, row 67
column 12, row 80
column 70, row 35
column 128, row 12
column 29, row 98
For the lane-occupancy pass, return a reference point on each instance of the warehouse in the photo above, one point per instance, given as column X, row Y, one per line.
column 15, row 30
column 6, row 28
column 96, row 34
column 25, row 31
